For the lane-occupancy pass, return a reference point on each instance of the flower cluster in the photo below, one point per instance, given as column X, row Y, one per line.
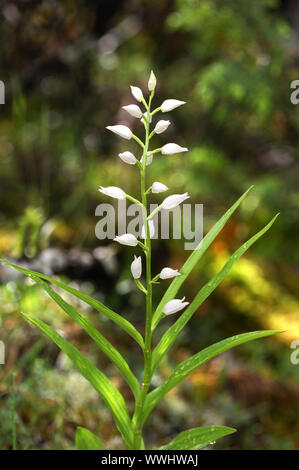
column 157, row 187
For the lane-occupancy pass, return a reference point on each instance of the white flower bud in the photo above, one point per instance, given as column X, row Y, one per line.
column 168, row 273
column 174, row 306
column 152, row 81
column 126, row 239
column 137, row 93
column 170, row 149
column 136, row 267
column 169, row 105
column 128, row 157
column 161, row 126
column 173, row 201
column 113, row 191
column 149, row 160
column 122, row 131
column 150, row 119
column 134, row 110
column 151, row 228
column 158, row 187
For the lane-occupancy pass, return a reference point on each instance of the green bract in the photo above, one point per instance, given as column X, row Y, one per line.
column 131, row 426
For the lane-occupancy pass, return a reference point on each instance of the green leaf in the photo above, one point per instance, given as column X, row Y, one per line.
column 196, row 438
column 191, row 364
column 172, row 333
column 99, row 339
column 86, row 440
column 95, row 377
column 193, row 260
column 96, row 304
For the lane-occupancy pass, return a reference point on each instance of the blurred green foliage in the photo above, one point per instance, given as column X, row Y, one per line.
column 67, row 66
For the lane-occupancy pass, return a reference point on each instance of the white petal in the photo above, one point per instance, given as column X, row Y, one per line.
column 152, row 81
column 126, row 239
column 174, row 306
column 128, row 157
column 151, row 227
column 168, row 273
column 173, row 201
column 137, row 93
column 122, row 131
column 169, row 105
column 136, row 267
column 133, row 110
column 161, row 126
column 113, row 191
column 158, row 187
column 170, row 149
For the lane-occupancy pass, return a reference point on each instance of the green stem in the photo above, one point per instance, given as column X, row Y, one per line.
column 137, row 418
column 13, row 419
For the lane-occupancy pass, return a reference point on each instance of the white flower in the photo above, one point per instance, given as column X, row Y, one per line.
column 128, row 157
column 149, row 160
column 137, row 93
column 152, row 81
column 113, row 191
column 122, row 131
column 169, row 105
column 161, row 126
column 158, row 187
column 134, row 110
column 136, row 267
column 126, row 239
column 170, row 149
column 172, row 201
column 174, row 306
column 168, row 273
column 151, row 228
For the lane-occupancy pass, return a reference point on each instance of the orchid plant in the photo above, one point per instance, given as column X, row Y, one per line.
column 146, row 397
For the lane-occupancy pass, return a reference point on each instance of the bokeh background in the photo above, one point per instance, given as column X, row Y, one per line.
column 67, row 66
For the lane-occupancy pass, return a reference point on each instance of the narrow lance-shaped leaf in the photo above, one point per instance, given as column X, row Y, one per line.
column 193, row 260
column 197, row 438
column 96, row 304
column 172, row 333
column 99, row 339
column 191, row 364
column 86, row 440
column 95, row 377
